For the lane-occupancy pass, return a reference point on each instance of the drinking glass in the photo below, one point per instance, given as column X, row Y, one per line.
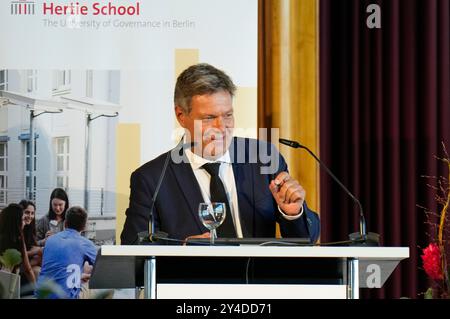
column 212, row 216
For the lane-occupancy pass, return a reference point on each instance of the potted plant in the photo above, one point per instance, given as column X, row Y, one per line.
column 9, row 274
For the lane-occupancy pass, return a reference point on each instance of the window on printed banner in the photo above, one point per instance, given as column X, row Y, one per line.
column 3, row 80
column 62, row 162
column 3, row 174
column 27, row 156
column 61, row 82
column 31, row 80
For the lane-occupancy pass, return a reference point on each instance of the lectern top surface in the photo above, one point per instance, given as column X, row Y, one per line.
column 394, row 253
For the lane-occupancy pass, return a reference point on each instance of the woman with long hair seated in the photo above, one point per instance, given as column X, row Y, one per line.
column 12, row 237
column 53, row 222
column 29, row 232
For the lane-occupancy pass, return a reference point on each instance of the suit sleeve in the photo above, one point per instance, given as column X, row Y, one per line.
column 308, row 225
column 138, row 211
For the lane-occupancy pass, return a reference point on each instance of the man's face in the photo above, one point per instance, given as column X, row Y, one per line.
column 210, row 123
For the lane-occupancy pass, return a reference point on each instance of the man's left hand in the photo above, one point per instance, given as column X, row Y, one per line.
column 288, row 193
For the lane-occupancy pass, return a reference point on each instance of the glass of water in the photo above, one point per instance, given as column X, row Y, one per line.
column 212, row 216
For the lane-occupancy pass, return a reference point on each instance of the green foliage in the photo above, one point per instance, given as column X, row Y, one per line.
column 106, row 294
column 10, row 259
column 429, row 294
column 48, row 288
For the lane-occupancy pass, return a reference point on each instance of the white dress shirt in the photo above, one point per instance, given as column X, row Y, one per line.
column 226, row 174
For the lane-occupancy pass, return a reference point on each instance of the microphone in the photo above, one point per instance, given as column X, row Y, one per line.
column 369, row 239
column 149, row 236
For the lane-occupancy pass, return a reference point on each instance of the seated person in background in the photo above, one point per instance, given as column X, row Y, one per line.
column 12, row 237
column 216, row 167
column 65, row 254
column 29, row 232
column 53, row 222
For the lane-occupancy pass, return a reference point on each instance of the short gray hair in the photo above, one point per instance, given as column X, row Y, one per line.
column 200, row 79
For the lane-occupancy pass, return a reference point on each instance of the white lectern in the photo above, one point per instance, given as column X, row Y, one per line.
column 246, row 271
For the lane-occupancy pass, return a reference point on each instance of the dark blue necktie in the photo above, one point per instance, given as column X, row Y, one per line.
column 219, row 195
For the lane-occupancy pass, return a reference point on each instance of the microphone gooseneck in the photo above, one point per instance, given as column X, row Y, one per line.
column 371, row 238
column 150, row 236
column 151, row 226
column 146, row 237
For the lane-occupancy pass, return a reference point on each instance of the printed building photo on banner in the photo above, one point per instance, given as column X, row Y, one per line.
column 72, row 116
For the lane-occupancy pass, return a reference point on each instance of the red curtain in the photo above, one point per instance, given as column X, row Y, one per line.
column 384, row 111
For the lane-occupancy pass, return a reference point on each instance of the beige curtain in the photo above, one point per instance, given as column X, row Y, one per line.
column 288, row 83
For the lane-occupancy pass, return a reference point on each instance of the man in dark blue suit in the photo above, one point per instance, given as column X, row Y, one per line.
column 252, row 174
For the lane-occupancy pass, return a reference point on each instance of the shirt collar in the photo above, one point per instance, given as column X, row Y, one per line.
column 197, row 161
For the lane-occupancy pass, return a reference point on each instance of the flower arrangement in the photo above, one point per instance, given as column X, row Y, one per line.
column 435, row 257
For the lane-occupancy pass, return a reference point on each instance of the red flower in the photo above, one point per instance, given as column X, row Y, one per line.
column 431, row 259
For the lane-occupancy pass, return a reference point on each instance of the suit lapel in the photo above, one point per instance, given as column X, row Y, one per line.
column 189, row 186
